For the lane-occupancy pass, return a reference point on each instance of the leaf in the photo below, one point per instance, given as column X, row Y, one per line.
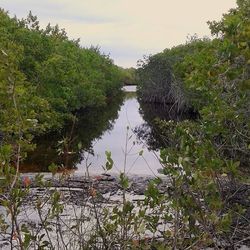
column 53, row 168
column 109, row 164
column 124, row 181
column 180, row 159
column 128, row 207
column 27, row 238
column 79, row 145
column 26, row 181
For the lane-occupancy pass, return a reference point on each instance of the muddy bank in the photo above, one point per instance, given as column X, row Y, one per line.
column 80, row 186
column 84, row 201
column 86, row 198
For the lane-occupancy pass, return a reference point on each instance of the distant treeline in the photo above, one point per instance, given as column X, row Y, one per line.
column 128, row 76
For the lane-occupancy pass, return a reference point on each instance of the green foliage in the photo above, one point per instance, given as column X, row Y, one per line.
column 212, row 77
column 109, row 163
column 159, row 78
column 45, row 77
column 128, row 76
column 48, row 76
column 68, row 145
column 203, row 156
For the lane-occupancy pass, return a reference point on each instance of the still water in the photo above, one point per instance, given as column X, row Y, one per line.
column 125, row 128
column 139, row 160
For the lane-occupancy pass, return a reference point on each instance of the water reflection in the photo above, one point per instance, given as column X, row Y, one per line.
column 116, row 140
column 148, row 131
column 66, row 147
column 83, row 143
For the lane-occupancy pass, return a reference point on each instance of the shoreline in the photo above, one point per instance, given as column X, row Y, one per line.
column 102, row 183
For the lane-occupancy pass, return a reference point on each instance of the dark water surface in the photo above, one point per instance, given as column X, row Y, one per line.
column 123, row 123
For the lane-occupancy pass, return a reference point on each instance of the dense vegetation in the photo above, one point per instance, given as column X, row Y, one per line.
column 128, row 76
column 210, row 77
column 77, row 136
column 205, row 157
column 45, row 77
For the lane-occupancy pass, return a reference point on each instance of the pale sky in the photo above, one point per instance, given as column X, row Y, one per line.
column 125, row 29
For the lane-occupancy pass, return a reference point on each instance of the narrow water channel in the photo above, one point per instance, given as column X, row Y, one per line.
column 128, row 152
column 125, row 128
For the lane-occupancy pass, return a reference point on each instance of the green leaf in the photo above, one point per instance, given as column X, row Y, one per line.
column 109, row 164
column 53, row 168
column 141, row 153
column 124, row 182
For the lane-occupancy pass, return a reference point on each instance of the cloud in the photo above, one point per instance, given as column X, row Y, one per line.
column 127, row 28
column 57, row 10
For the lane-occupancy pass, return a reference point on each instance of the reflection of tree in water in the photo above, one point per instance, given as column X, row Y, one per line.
column 68, row 144
column 149, row 132
column 129, row 95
